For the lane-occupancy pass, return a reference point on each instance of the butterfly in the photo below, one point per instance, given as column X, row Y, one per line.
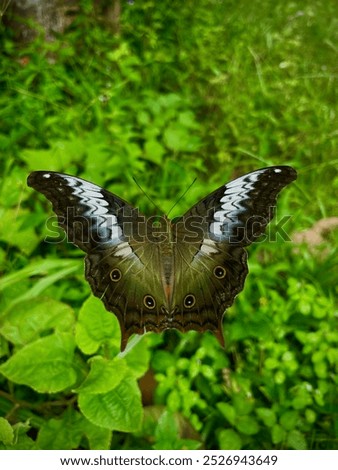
column 153, row 273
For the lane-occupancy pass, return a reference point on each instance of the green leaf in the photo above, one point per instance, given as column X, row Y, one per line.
column 61, row 433
column 243, row 404
column 12, row 231
column 44, row 283
column 267, row 415
column 162, row 360
column 15, row 285
column 179, row 139
column 67, row 431
column 37, row 268
column 60, row 154
column 289, row 420
column 6, row 432
column 278, row 434
column 229, row 440
column 96, row 326
column 166, row 432
column 21, row 441
column 228, row 411
column 154, row 151
column 99, row 438
column 27, row 320
column 119, row 409
column 44, row 365
column 12, row 186
column 296, row 440
column 104, row 375
column 187, row 119
column 247, row 425
column 138, row 357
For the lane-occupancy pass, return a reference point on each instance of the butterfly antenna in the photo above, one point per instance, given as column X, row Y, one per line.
column 182, row 196
column 147, row 196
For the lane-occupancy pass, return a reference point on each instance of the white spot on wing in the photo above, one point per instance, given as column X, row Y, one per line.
column 277, row 170
column 216, row 228
column 46, row 175
column 96, row 209
column 116, row 232
column 123, row 250
column 208, row 247
column 233, row 203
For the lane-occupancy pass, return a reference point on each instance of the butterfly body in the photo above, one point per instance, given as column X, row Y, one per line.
column 154, row 274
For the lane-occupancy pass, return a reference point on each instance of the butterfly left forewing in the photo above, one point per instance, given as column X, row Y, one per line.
column 119, row 261
column 91, row 216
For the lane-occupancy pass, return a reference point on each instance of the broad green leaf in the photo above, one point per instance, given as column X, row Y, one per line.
column 228, row 411
column 138, row 357
column 4, row 347
column 154, row 151
column 35, row 269
column 247, row 425
column 104, row 375
column 162, row 360
column 13, row 187
column 168, row 433
column 179, row 139
column 289, row 420
column 61, row 433
column 98, row 437
column 278, row 434
column 21, row 440
column 243, row 404
column 44, row 365
column 95, row 326
column 6, row 432
column 67, row 431
column 310, row 416
column 27, row 320
column 45, row 282
column 267, row 415
column 167, row 430
column 60, row 154
column 296, row 440
column 187, row 119
column 229, row 440
column 12, row 232
column 119, row 409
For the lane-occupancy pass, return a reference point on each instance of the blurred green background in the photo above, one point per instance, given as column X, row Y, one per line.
column 166, row 92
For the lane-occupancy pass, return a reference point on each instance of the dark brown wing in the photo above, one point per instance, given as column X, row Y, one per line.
column 210, row 245
column 92, row 217
column 238, row 212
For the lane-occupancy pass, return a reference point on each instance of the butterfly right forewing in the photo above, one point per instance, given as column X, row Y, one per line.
column 212, row 267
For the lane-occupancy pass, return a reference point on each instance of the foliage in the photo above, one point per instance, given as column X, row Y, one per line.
column 209, row 89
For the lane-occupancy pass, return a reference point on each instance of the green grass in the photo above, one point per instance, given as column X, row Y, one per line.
column 190, row 89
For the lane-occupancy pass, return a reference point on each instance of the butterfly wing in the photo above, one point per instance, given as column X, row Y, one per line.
column 185, row 283
column 119, row 262
column 211, row 259
column 91, row 216
column 238, row 212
